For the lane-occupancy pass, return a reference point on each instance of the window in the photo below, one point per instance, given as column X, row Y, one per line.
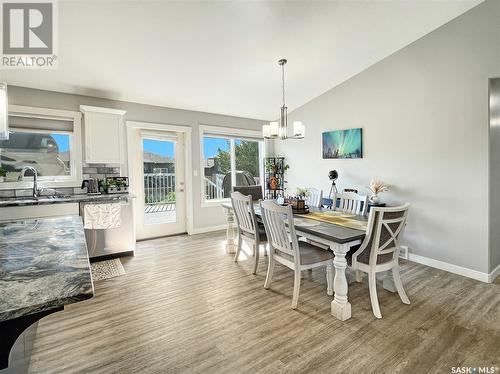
column 48, row 152
column 229, row 161
column 48, row 143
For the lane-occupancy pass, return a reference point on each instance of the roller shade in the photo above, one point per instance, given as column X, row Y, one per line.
column 40, row 123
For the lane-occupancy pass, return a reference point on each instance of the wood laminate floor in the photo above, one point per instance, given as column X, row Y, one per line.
column 184, row 306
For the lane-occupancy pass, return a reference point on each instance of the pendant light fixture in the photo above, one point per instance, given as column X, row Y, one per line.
column 280, row 129
column 4, row 112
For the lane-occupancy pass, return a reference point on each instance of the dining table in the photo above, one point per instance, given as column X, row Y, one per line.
column 335, row 230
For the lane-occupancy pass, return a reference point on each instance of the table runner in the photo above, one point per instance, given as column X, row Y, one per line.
column 337, row 218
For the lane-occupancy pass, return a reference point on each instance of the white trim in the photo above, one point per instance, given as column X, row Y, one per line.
column 158, row 126
column 213, row 203
column 98, row 109
column 76, row 176
column 230, row 131
column 38, row 112
column 204, row 230
column 188, row 164
column 455, row 269
column 494, row 274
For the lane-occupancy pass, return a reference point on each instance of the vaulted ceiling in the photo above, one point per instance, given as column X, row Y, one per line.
column 221, row 56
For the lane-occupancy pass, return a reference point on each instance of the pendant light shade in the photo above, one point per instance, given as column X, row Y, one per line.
column 280, row 129
column 4, row 112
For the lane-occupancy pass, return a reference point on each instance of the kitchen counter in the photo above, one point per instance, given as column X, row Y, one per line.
column 62, row 199
column 43, row 265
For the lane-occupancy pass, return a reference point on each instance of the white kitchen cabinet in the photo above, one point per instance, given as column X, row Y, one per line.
column 103, row 135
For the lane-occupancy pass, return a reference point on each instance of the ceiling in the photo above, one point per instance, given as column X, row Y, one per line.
column 221, row 56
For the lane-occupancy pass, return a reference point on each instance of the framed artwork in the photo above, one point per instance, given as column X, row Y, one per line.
column 343, row 143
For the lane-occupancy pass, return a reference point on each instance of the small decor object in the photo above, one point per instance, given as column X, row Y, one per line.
column 274, row 183
column 333, row 176
column 274, row 177
column 302, row 192
column 116, row 185
column 280, row 129
column 343, row 144
column 376, row 187
column 298, row 205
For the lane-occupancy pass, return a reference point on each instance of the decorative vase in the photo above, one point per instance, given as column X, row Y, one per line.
column 375, row 199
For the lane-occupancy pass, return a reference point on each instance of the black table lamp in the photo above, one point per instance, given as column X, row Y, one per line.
column 333, row 175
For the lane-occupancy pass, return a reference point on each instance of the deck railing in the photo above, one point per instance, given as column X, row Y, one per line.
column 214, row 189
column 159, row 188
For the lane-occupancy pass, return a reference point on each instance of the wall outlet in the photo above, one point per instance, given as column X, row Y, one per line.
column 403, row 253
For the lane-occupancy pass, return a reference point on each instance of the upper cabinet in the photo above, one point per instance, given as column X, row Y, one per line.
column 103, row 135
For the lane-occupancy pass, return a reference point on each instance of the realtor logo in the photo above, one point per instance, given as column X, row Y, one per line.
column 28, row 34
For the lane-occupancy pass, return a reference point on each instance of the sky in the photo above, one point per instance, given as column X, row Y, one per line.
column 211, row 145
column 160, row 147
column 62, row 141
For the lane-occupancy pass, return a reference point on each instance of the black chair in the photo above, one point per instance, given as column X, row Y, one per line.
column 255, row 191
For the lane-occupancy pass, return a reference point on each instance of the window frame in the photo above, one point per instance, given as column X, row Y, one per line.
column 231, row 134
column 75, row 178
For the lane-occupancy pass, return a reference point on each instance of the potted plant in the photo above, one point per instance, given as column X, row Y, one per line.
column 302, row 192
column 3, row 174
column 376, row 187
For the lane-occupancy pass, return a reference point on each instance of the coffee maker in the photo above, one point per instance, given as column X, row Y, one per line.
column 92, row 186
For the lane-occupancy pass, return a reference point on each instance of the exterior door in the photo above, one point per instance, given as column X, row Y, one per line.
column 159, row 183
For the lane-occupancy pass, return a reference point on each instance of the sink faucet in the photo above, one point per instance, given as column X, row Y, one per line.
column 35, row 176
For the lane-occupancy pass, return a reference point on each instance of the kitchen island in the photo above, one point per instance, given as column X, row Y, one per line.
column 102, row 244
column 44, row 266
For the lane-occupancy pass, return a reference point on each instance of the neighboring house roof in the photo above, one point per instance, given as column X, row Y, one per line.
column 154, row 158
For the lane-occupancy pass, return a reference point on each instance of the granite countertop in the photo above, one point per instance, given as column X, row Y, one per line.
column 43, row 265
column 60, row 199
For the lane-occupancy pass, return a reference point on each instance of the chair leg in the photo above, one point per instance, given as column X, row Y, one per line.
column 254, row 248
column 359, row 277
column 270, row 272
column 399, row 284
column 296, row 289
column 329, row 278
column 257, row 250
column 372, row 285
column 238, row 249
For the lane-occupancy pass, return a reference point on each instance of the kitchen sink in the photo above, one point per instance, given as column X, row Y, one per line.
column 32, row 200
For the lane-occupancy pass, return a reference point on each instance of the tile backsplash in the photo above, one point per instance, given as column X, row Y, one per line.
column 97, row 171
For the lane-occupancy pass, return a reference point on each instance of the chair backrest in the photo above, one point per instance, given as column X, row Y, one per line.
column 351, row 202
column 350, row 190
column 276, row 218
column 315, row 197
column 255, row 191
column 244, row 212
column 383, row 234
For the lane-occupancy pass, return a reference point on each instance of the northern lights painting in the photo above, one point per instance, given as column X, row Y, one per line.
column 343, row 144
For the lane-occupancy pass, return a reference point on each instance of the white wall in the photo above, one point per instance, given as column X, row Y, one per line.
column 204, row 217
column 424, row 114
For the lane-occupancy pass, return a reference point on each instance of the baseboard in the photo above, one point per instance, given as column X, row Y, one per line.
column 494, row 274
column 474, row 274
column 203, row 230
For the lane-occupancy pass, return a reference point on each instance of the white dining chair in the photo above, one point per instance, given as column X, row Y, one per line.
column 285, row 248
column 379, row 251
column 315, row 197
column 248, row 228
column 351, row 202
